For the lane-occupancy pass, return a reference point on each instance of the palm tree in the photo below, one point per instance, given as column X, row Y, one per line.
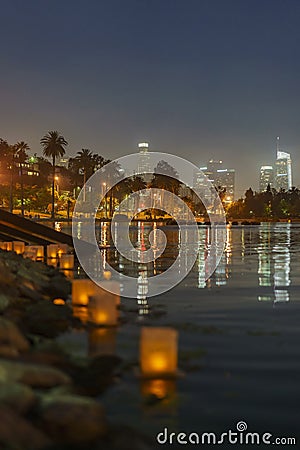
column 86, row 162
column 21, row 155
column 53, row 145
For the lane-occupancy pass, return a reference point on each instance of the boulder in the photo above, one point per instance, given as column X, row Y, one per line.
column 11, row 336
column 32, row 374
column 46, row 319
column 19, row 434
column 72, row 419
column 19, row 397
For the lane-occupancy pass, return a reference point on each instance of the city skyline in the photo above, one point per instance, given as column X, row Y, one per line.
column 202, row 80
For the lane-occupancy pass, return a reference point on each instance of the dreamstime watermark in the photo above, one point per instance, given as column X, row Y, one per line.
column 109, row 179
column 239, row 436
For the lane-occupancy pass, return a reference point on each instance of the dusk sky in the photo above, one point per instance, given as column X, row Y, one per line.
column 199, row 79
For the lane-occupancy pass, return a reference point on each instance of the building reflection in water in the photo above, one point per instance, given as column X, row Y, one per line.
column 202, row 254
column 208, row 245
column 282, row 262
column 269, row 243
column 264, row 255
column 274, row 260
column 142, row 291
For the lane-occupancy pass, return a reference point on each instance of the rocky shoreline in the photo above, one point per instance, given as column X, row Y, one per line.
column 48, row 400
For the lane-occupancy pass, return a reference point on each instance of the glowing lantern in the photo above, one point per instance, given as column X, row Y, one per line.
column 39, row 251
column 19, row 247
column 82, row 289
column 59, row 301
column 3, row 245
column 62, row 249
column 52, row 262
column 67, row 262
column 9, row 246
column 102, row 309
column 52, row 250
column 30, row 252
column 158, row 352
column 102, row 341
column 81, row 313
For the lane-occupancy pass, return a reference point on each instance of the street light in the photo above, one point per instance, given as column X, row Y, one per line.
column 104, row 199
column 57, row 186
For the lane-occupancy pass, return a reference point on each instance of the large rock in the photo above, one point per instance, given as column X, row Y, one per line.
column 32, row 374
column 46, row 319
column 18, row 434
column 19, row 397
column 72, row 419
column 11, row 336
column 5, row 301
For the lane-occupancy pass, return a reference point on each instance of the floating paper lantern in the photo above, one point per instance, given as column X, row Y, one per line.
column 19, row 247
column 158, row 352
column 30, row 252
column 102, row 309
column 102, row 341
column 66, row 262
column 39, row 251
column 82, row 289
column 59, row 301
column 52, row 262
column 9, row 246
column 52, row 250
column 62, row 249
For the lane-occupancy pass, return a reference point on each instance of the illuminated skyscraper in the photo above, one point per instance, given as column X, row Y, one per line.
column 266, row 178
column 283, row 169
column 144, row 158
column 219, row 177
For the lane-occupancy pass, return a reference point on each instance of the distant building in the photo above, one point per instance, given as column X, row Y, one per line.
column 63, row 162
column 220, row 177
column 144, row 167
column 283, row 171
column 266, row 178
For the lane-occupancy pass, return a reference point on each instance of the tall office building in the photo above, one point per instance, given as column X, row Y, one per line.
column 220, row 177
column 283, row 171
column 266, row 178
column 144, row 157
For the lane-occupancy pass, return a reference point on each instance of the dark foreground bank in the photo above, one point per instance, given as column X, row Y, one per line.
column 48, row 399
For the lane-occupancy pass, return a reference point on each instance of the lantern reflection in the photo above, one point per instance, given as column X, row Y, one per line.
column 158, row 352
column 81, row 313
column 103, row 309
column 102, row 341
column 161, row 389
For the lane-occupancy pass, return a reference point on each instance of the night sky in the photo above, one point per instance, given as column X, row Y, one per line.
column 196, row 78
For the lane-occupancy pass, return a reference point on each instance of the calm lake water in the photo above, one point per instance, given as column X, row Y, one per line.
column 238, row 337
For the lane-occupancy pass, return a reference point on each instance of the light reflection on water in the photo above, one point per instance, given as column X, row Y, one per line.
column 257, row 255
column 263, row 260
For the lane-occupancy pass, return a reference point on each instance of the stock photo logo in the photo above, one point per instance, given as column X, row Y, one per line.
column 145, row 165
